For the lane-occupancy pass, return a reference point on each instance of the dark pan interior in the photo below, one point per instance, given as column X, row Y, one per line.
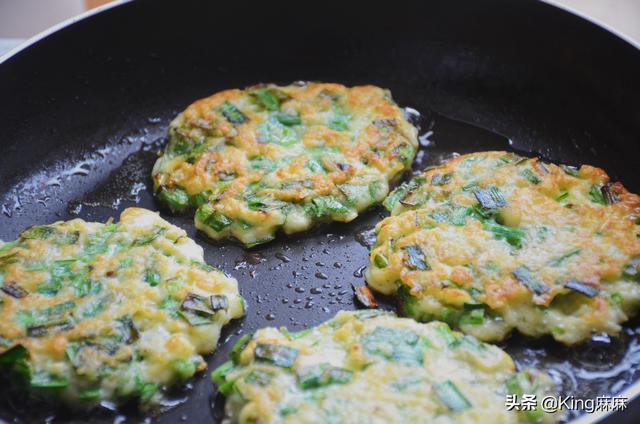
column 84, row 112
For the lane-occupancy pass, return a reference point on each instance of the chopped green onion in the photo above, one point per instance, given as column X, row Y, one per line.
column 596, row 195
column 57, row 324
column 273, row 131
column 266, row 99
column 323, row 375
column 288, row 119
column 616, row 298
column 239, row 346
column 218, row 302
column 446, row 334
column 530, row 176
column 473, row 317
column 282, row 356
column 259, row 377
column 581, row 287
column 512, row 235
column 295, row 334
column 380, row 260
column 339, row 120
column 152, row 277
column 513, row 384
column 490, row 198
column 562, row 196
column 146, row 391
column 451, row 396
column 211, row 218
column 37, row 232
column 176, row 199
column 401, row 191
column 397, row 345
column 198, row 310
column 468, row 342
column 375, row 189
column 405, row 152
column 70, row 237
column 314, row 166
column 441, row 179
column 263, row 203
column 226, row 176
column 288, row 410
column 558, row 260
column 50, row 287
column 525, row 276
column 83, row 286
column 469, row 186
column 200, row 198
column 184, row 368
column 5, row 247
column 48, row 381
column 126, row 330
column 415, row 258
column 325, row 205
column 151, row 236
column 232, row 113
column 219, row 377
column 632, row 270
column 90, row 394
column 92, row 309
column 14, row 289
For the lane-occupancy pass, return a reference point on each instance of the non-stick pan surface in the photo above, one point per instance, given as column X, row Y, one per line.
column 84, row 111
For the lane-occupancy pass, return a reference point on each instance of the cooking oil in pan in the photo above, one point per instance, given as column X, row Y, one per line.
column 295, row 281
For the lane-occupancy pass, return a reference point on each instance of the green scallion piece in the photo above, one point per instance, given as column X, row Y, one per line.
column 232, row 113
column 282, row 356
column 451, row 396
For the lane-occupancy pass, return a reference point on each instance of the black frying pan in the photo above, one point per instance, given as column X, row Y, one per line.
column 84, row 111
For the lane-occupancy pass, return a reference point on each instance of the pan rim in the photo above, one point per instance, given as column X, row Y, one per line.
column 598, row 22
column 117, row 3
column 59, row 26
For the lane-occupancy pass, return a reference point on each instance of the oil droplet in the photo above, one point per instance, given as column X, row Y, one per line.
column 270, row 317
column 284, row 258
column 425, row 140
column 337, row 265
column 254, row 258
column 315, row 290
column 367, row 238
column 321, row 275
column 6, row 211
column 358, row 273
column 300, row 289
column 413, row 116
